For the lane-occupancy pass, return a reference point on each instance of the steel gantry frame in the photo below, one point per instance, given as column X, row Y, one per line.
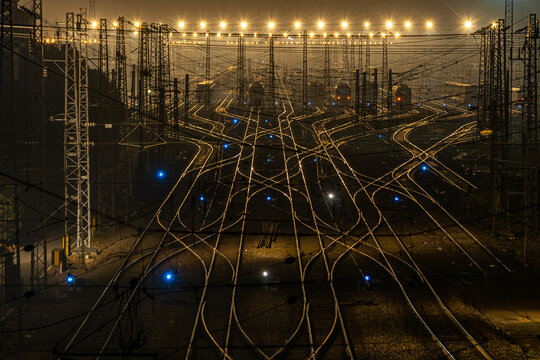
column 77, row 214
column 530, row 188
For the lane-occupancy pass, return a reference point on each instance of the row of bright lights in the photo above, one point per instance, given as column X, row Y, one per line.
column 271, row 25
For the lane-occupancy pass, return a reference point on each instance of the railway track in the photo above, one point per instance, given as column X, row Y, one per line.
column 271, row 160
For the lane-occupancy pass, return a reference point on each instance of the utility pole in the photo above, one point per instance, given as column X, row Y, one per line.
column 271, row 73
column 361, row 53
column 120, row 62
column 103, row 56
column 530, row 188
column 509, row 29
column 384, row 65
column 240, row 86
column 107, row 172
column 498, row 115
column 352, row 62
column 207, row 77
column 357, row 95
column 364, row 95
column 346, row 67
column 9, row 212
column 368, row 52
column 76, row 142
column 186, row 99
column 483, row 86
column 389, row 98
column 493, row 117
column 375, row 93
column 304, row 71
column 176, row 117
column 327, row 71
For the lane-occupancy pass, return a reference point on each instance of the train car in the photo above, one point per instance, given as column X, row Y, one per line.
column 461, row 94
column 315, row 94
column 256, row 94
column 226, row 77
column 370, row 96
column 402, row 97
column 343, row 94
column 204, row 91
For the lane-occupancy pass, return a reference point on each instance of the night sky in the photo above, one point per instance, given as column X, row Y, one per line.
column 447, row 13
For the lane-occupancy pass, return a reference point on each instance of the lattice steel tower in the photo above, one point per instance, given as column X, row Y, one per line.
column 76, row 141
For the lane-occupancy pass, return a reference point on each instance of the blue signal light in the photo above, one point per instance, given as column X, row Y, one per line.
column 380, row 136
column 265, row 120
column 367, row 277
column 333, row 104
column 424, row 168
column 226, row 146
column 368, row 104
column 271, row 136
column 201, row 197
column 235, row 121
column 70, row 279
column 396, row 198
column 268, row 160
column 314, row 159
column 309, row 103
column 268, row 198
column 169, row 276
column 161, row 174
